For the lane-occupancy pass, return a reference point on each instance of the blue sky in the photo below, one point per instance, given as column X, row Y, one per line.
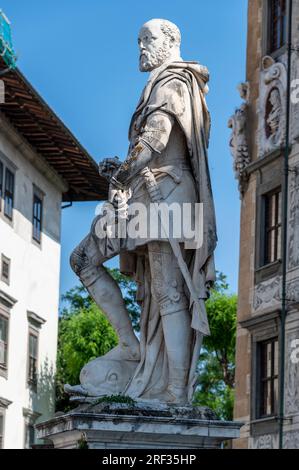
column 82, row 57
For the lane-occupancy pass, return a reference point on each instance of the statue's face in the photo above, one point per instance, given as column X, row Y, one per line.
column 154, row 47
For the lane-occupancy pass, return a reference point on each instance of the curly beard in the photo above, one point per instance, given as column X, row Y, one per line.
column 149, row 61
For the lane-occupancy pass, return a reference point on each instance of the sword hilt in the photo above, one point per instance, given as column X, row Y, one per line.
column 152, row 185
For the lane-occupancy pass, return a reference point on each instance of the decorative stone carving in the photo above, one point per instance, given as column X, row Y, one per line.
column 293, row 247
column 273, row 115
column 292, row 377
column 267, row 294
column 266, row 441
column 239, row 141
column 291, row 440
column 293, row 291
column 271, row 109
column 295, row 88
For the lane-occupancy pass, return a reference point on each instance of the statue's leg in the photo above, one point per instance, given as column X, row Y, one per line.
column 87, row 262
column 168, row 290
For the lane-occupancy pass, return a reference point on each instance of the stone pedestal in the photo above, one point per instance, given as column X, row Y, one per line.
column 137, row 426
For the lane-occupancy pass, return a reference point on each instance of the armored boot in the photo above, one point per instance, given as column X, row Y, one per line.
column 177, row 331
column 177, row 391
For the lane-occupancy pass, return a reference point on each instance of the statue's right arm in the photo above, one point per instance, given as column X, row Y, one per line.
column 152, row 140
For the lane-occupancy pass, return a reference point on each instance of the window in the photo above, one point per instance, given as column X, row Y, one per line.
column 37, row 218
column 9, row 193
column 3, row 341
column 272, row 227
column 277, row 24
column 33, row 357
column 268, row 378
column 1, row 428
column 29, row 435
column 1, row 183
column 4, row 404
column 35, row 322
column 5, row 269
column 30, row 417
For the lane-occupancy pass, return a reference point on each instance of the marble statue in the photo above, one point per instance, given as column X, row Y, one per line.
column 167, row 161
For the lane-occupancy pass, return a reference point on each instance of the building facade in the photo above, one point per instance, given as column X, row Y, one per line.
column 41, row 165
column 269, row 204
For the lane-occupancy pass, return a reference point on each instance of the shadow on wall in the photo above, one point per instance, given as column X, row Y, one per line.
column 42, row 394
column 25, row 184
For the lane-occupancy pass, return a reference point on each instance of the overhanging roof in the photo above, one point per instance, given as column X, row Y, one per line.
column 45, row 132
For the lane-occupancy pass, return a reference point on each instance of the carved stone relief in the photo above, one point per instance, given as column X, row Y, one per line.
column 273, row 115
column 272, row 103
column 292, row 377
column 293, row 291
column 294, row 82
column 266, row 441
column 239, row 141
column 267, row 294
column 291, row 440
column 293, row 247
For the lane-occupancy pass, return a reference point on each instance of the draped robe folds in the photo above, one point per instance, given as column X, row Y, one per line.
column 178, row 89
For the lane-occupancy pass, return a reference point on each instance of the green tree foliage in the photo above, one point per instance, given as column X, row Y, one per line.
column 129, row 290
column 84, row 333
column 75, row 299
column 217, row 360
column 83, row 336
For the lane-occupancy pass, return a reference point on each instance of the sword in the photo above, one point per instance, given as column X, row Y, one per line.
column 199, row 316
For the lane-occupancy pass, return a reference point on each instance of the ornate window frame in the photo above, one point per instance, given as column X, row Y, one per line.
column 6, row 304
column 266, row 31
column 269, row 178
column 273, row 76
column 35, row 323
column 30, row 418
column 4, row 404
column 261, row 328
column 7, row 164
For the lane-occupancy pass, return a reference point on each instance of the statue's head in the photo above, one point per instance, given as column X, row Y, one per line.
column 159, row 41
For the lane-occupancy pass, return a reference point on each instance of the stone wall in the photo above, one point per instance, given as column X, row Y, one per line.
column 260, row 289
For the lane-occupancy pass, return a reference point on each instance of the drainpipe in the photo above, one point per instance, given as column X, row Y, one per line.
column 285, row 232
column 65, row 206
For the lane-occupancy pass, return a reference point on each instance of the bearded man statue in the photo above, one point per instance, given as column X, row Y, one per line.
column 167, row 161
